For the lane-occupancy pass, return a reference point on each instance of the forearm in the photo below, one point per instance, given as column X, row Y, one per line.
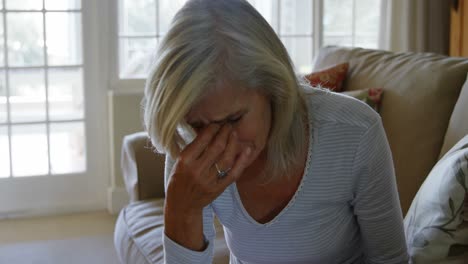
column 184, row 228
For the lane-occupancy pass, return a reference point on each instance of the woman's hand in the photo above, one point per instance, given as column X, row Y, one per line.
column 194, row 182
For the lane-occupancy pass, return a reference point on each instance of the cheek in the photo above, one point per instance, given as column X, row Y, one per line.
column 246, row 135
column 254, row 134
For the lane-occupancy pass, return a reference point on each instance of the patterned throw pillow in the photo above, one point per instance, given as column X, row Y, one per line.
column 436, row 225
column 331, row 78
column 372, row 97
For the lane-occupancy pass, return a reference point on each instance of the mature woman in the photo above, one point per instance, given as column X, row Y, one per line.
column 294, row 174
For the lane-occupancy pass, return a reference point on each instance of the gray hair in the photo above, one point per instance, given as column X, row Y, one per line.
column 216, row 42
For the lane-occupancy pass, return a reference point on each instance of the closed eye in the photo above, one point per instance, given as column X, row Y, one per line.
column 197, row 125
column 235, row 119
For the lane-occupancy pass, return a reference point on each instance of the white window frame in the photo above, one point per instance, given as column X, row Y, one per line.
column 47, row 122
column 117, row 84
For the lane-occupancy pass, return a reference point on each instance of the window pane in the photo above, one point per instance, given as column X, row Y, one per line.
column 268, row 9
column 2, row 43
column 296, row 17
column 67, row 148
column 367, row 23
column 135, row 55
column 63, row 38
column 138, row 17
column 24, row 4
column 167, row 10
column 3, row 98
column 300, row 51
column 29, row 150
column 338, row 40
column 66, row 94
column 4, row 153
column 366, row 42
column 337, row 20
column 63, row 4
column 25, row 39
column 27, row 95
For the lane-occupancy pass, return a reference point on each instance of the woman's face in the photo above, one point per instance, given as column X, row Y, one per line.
column 248, row 111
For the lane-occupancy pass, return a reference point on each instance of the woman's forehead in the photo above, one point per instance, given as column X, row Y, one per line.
column 216, row 103
column 219, row 103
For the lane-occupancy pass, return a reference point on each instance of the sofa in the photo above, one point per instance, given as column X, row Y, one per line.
column 424, row 111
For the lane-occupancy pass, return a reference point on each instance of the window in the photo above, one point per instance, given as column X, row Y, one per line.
column 42, row 128
column 303, row 26
column 351, row 23
column 52, row 98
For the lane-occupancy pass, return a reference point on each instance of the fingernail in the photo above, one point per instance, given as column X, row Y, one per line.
column 234, row 134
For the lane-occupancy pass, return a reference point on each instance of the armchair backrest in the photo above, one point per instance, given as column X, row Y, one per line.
column 142, row 169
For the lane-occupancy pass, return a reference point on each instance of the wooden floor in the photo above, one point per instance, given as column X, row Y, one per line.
column 72, row 239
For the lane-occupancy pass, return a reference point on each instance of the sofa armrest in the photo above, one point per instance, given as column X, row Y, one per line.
column 142, row 169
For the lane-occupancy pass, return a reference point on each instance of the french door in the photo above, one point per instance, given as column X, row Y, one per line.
column 52, row 108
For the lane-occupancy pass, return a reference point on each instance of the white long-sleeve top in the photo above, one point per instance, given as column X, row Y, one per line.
column 346, row 209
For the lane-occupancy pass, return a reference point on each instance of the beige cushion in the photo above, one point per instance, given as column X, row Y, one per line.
column 142, row 169
column 420, row 94
column 139, row 230
column 458, row 126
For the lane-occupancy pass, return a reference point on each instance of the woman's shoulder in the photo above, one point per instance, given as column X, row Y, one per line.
column 325, row 106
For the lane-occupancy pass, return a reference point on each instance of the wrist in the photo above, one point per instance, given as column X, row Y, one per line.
column 176, row 212
column 185, row 227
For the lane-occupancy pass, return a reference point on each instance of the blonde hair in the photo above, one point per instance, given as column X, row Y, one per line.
column 216, row 42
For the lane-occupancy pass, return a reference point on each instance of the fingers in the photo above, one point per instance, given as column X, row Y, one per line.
column 239, row 166
column 228, row 156
column 216, row 147
column 200, row 143
column 230, row 153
